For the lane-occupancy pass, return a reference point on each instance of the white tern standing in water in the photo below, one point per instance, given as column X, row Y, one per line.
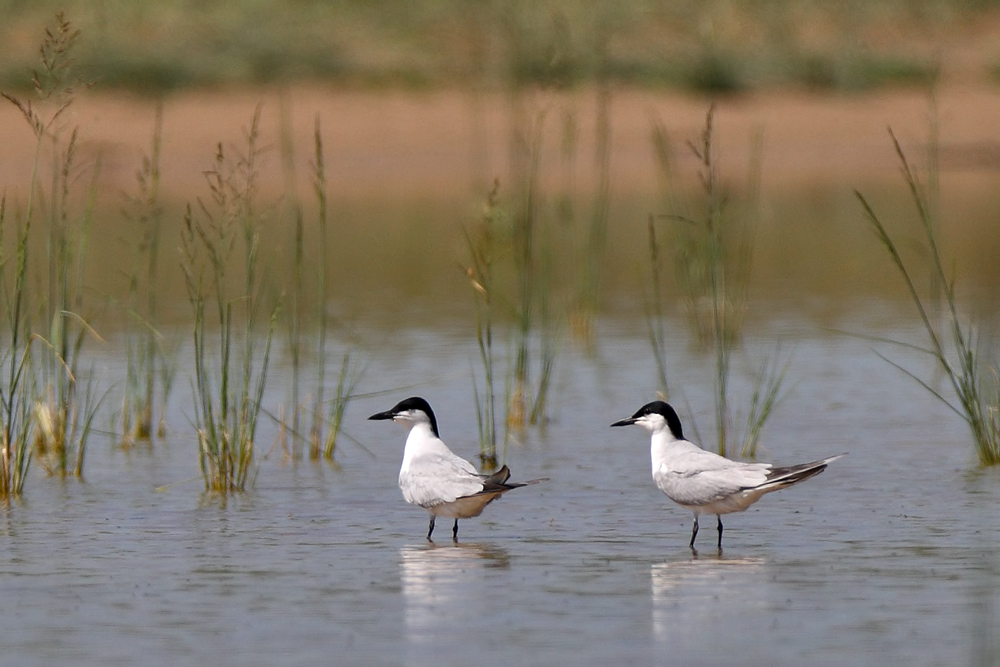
column 704, row 482
column 435, row 478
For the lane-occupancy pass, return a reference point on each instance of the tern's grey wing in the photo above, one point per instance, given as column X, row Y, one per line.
column 693, row 460
column 433, row 479
column 697, row 477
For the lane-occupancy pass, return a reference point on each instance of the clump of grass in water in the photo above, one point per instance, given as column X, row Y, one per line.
column 525, row 165
column 228, row 405
column 978, row 404
column 712, row 274
column 766, row 394
column 146, row 358
column 713, row 252
column 324, row 431
column 347, row 382
column 327, row 415
column 16, row 389
column 63, row 416
column 295, row 316
column 531, row 268
column 546, row 344
column 500, row 235
column 483, row 250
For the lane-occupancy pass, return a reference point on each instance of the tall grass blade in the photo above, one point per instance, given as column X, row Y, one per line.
column 957, row 356
column 347, row 382
column 146, row 359
column 483, row 250
column 227, row 409
column 766, row 395
column 655, row 312
column 713, row 252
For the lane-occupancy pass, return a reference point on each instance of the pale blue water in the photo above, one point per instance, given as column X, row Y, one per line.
column 888, row 557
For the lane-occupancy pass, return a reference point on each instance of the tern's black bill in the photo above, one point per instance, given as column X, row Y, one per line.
column 388, row 414
column 623, row 422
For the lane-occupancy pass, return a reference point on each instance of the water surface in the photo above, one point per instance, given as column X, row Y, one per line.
column 889, row 555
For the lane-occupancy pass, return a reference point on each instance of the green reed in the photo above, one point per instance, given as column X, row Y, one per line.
column 509, row 239
column 58, row 405
column 327, row 421
column 17, row 389
column 62, row 408
column 347, row 381
column 525, row 160
column 767, row 384
column 656, row 312
column 531, row 263
column 230, row 378
column 296, row 299
column 327, row 413
column 483, row 247
column 713, row 273
column 952, row 342
column 547, row 339
column 713, row 250
column 147, row 359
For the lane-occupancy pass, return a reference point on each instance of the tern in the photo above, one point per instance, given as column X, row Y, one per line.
column 704, row 482
column 433, row 477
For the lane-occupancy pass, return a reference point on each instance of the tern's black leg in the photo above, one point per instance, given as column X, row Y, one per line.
column 719, row 517
column 430, row 529
column 694, row 531
column 454, row 532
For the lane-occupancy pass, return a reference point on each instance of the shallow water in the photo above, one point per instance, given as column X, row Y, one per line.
column 888, row 556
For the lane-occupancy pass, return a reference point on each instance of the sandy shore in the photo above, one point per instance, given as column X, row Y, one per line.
column 441, row 143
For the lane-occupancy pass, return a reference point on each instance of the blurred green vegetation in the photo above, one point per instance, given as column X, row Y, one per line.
column 718, row 45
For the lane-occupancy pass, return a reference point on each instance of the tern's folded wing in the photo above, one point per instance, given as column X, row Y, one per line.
column 433, row 479
column 694, row 460
column 699, row 477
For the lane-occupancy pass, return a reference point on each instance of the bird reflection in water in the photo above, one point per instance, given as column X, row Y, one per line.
column 690, row 589
column 443, row 584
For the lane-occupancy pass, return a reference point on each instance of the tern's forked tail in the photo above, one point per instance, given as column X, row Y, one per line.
column 498, row 481
column 778, row 478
